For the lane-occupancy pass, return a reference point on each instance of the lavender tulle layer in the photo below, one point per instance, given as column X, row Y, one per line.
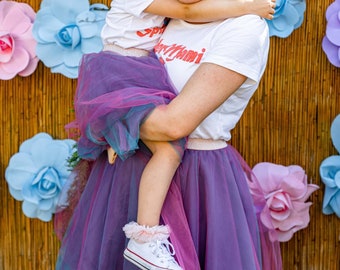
column 209, row 209
column 114, row 96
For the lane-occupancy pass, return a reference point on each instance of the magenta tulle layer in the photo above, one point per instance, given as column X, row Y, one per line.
column 114, row 96
column 209, row 209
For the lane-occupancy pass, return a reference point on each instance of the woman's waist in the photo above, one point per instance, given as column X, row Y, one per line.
column 205, row 144
column 136, row 52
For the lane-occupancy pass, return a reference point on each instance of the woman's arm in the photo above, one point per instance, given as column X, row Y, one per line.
column 211, row 10
column 205, row 91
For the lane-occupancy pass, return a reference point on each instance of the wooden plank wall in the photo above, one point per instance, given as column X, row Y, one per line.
column 287, row 122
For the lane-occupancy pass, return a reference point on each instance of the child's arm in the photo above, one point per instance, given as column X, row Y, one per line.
column 188, row 1
column 211, row 10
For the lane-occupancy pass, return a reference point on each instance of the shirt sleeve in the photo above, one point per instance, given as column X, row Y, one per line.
column 135, row 7
column 241, row 46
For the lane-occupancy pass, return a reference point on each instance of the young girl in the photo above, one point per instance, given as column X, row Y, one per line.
column 125, row 84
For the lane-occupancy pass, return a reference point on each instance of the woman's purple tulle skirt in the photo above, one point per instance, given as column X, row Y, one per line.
column 208, row 208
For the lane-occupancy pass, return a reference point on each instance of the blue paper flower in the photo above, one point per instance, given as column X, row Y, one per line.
column 37, row 173
column 330, row 174
column 288, row 17
column 65, row 30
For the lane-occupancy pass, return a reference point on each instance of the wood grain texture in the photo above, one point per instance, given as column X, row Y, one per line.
column 287, row 122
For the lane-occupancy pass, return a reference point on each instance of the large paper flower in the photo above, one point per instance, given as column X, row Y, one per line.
column 17, row 45
column 331, row 42
column 65, row 30
column 330, row 174
column 288, row 17
column 37, row 173
column 285, row 190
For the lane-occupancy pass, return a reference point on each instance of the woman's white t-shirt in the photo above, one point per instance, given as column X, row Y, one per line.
column 239, row 44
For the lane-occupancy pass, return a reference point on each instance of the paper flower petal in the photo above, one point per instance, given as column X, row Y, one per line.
column 332, row 52
column 20, row 168
column 335, row 133
column 330, row 174
column 67, row 11
column 15, row 193
column 69, row 28
column 288, row 16
column 328, row 170
column 334, row 203
column 30, row 210
column 332, row 9
column 37, row 173
column 331, row 41
column 19, row 61
column 67, row 71
column 333, row 30
column 30, row 68
column 50, row 59
column 45, row 32
column 285, row 191
column 44, row 215
column 17, row 45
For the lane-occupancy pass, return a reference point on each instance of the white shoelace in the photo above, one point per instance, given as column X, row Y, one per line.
column 164, row 250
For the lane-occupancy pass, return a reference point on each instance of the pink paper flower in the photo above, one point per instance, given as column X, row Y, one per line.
column 285, row 190
column 17, row 45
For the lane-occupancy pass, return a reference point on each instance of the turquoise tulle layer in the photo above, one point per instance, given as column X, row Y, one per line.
column 114, row 96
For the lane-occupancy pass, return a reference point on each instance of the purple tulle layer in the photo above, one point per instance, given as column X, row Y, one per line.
column 114, row 96
column 208, row 208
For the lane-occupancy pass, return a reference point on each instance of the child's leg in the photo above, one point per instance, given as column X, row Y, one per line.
column 148, row 246
column 155, row 181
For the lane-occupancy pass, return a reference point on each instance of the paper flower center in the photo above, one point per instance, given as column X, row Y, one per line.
column 46, row 183
column 6, row 44
column 68, row 36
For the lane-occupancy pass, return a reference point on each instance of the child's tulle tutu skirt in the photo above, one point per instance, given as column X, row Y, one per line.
column 114, row 95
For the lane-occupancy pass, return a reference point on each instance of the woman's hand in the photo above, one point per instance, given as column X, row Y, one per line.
column 263, row 8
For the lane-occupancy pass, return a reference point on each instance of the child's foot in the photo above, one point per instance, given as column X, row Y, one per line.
column 149, row 248
column 151, row 255
column 111, row 155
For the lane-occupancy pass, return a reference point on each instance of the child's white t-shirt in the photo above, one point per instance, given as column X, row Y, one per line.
column 240, row 44
column 129, row 27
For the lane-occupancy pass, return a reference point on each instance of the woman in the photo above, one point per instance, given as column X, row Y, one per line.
column 208, row 207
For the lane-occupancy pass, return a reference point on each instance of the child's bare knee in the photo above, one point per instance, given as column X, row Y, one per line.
column 167, row 150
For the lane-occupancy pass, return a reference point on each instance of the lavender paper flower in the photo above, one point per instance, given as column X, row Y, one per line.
column 331, row 41
column 288, row 17
column 37, row 173
column 330, row 174
column 65, row 30
column 17, row 45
